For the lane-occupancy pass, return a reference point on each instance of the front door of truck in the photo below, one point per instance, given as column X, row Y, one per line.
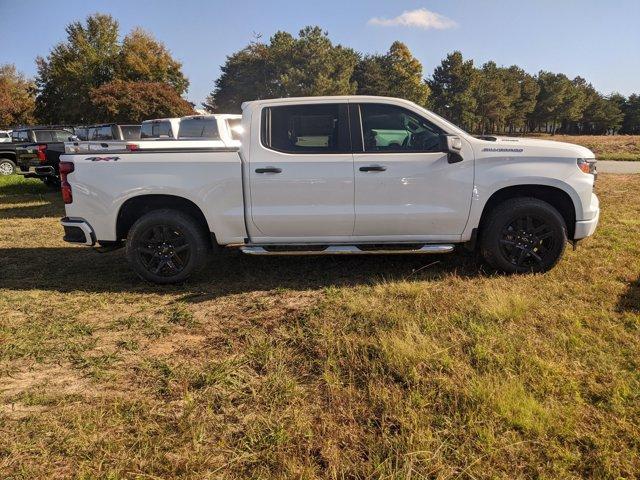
column 301, row 173
column 404, row 184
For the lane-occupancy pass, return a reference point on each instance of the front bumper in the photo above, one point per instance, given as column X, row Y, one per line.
column 585, row 228
column 77, row 230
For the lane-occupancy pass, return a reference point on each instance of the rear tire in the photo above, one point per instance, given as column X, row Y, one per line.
column 166, row 246
column 523, row 235
column 7, row 167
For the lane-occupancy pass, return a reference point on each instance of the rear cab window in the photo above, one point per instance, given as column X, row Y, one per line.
column 199, row 127
column 159, row 129
column 311, row 128
column 20, row 136
column 130, row 132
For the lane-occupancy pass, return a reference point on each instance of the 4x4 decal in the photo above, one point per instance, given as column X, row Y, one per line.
column 102, row 159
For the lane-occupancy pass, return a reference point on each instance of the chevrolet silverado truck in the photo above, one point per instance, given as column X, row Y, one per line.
column 34, row 151
column 333, row 175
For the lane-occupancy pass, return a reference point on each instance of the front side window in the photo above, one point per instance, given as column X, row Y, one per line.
column 306, row 128
column 389, row 129
column 199, row 127
column 43, row 136
column 60, row 135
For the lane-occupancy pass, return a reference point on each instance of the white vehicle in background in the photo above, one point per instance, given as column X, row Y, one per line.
column 333, row 175
column 225, row 127
column 160, row 128
column 5, row 136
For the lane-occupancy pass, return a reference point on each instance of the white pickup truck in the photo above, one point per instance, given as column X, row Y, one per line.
column 333, row 175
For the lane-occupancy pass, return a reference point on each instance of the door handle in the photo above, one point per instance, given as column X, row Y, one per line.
column 268, row 170
column 373, row 168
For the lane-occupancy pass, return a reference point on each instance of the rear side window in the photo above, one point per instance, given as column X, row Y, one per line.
column 130, row 132
column 389, row 129
column 199, row 127
column 319, row 128
column 156, row 130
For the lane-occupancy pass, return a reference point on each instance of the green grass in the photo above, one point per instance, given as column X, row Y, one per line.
column 382, row 367
column 628, row 157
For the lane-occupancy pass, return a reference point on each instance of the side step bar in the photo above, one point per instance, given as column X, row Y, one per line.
column 348, row 250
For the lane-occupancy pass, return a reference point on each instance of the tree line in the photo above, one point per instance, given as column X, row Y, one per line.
column 94, row 76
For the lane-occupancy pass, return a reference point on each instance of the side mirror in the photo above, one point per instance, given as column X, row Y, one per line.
column 73, row 138
column 452, row 145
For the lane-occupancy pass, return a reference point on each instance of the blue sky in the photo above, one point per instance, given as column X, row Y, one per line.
column 598, row 40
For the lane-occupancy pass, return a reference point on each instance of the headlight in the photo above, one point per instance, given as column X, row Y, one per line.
column 587, row 165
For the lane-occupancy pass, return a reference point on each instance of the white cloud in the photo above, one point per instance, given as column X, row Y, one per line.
column 420, row 18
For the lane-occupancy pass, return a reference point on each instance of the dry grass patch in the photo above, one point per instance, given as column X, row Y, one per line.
column 384, row 367
column 606, row 147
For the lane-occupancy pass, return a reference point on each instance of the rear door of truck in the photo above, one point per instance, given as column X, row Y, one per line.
column 301, row 173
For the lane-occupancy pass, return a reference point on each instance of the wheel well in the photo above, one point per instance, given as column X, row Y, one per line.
column 136, row 207
column 8, row 156
column 557, row 198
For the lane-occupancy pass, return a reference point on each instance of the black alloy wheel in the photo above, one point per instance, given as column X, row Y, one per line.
column 526, row 241
column 164, row 250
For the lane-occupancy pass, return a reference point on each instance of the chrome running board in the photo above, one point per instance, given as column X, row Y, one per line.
column 346, row 250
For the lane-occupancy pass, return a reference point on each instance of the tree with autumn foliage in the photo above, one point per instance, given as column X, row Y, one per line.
column 17, row 97
column 124, row 101
column 78, row 81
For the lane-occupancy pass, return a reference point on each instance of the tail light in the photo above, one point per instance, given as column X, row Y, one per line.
column 41, row 153
column 65, row 169
column 132, row 147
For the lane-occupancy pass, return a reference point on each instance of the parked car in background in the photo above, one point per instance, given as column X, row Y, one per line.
column 108, row 131
column 24, row 136
column 166, row 128
column 334, row 175
column 40, row 157
column 5, row 136
column 212, row 127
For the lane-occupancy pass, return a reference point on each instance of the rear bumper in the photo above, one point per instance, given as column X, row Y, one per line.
column 77, row 230
column 585, row 228
column 37, row 172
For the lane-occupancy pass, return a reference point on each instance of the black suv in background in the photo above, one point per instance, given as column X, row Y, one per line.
column 108, row 131
column 26, row 136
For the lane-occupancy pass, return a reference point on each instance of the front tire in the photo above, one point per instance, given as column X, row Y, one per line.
column 7, row 167
column 166, row 246
column 523, row 235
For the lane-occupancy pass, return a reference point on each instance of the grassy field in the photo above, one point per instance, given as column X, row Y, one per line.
column 606, row 147
column 347, row 368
